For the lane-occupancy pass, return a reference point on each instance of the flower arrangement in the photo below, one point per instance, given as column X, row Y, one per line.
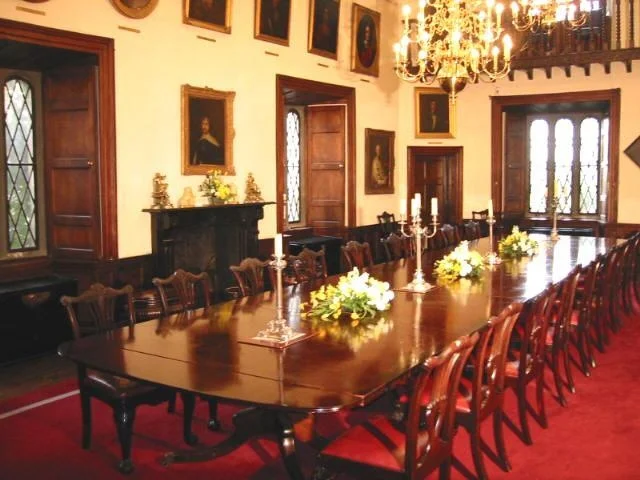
column 214, row 187
column 461, row 263
column 356, row 294
column 517, row 244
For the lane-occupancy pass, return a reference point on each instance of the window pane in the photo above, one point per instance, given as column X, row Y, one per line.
column 539, row 157
column 21, row 183
column 293, row 167
column 563, row 154
column 589, row 137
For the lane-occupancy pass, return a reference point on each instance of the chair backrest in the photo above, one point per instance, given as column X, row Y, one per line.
column 472, row 230
column 183, row 290
column 309, row 265
column 451, row 234
column 437, row 241
column 396, row 247
column 441, row 375
column 387, row 223
column 100, row 309
column 564, row 305
column 480, row 214
column 357, row 254
column 249, row 275
column 490, row 358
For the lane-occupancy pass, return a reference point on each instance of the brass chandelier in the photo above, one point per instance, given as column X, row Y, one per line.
column 544, row 15
column 454, row 42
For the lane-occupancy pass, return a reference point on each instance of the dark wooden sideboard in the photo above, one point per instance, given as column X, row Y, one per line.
column 205, row 238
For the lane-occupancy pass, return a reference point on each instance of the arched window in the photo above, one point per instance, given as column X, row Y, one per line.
column 293, row 167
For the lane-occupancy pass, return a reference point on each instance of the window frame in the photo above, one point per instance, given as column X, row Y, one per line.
column 300, row 111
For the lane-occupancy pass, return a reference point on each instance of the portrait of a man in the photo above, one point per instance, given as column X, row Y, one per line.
column 323, row 28
column 379, row 161
column 213, row 14
column 433, row 113
column 208, row 133
column 365, row 40
column 272, row 20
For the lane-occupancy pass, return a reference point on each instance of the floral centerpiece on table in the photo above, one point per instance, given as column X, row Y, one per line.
column 461, row 263
column 357, row 295
column 214, row 187
column 517, row 244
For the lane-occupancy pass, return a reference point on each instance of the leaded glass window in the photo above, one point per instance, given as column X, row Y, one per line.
column 21, row 221
column 568, row 159
column 293, row 167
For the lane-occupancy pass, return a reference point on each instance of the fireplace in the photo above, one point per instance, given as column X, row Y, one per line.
column 209, row 238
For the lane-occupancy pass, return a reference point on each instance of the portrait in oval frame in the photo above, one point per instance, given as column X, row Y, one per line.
column 135, row 8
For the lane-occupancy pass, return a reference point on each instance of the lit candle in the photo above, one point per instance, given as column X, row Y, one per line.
column 277, row 247
column 418, row 198
column 434, row 205
column 415, row 209
column 490, row 208
column 403, row 207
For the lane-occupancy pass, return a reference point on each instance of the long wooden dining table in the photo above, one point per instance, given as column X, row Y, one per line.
column 338, row 365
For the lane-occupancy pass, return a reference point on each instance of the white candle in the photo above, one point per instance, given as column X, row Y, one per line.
column 418, row 198
column 490, row 208
column 278, row 245
column 415, row 209
column 434, row 205
column 403, row 207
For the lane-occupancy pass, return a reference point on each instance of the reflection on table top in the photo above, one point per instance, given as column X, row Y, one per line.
column 204, row 351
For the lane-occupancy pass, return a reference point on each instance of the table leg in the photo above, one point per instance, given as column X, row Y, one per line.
column 248, row 423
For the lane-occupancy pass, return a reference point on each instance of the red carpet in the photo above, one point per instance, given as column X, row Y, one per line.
column 596, row 437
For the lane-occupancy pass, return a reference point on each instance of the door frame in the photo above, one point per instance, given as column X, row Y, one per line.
column 453, row 154
column 346, row 95
column 103, row 48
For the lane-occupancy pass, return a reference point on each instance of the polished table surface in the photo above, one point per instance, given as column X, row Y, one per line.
column 208, row 352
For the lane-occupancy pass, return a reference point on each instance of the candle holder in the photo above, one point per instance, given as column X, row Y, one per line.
column 554, row 229
column 492, row 257
column 277, row 330
column 418, row 284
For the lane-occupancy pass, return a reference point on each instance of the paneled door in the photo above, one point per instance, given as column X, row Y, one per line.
column 326, row 151
column 437, row 172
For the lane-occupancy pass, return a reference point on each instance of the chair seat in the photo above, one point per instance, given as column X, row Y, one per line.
column 463, row 400
column 512, row 367
column 115, row 386
column 379, row 443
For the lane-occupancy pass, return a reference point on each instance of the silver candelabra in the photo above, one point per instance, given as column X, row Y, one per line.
column 418, row 284
column 554, row 229
column 277, row 329
column 492, row 257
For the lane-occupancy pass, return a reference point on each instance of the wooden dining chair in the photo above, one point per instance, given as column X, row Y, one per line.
column 481, row 392
column 101, row 309
column 438, row 241
column 182, row 291
column 356, row 254
column 395, row 247
column 309, row 265
column 471, row 230
column 480, row 214
column 527, row 356
column 421, row 443
column 386, row 223
column 250, row 276
column 451, row 234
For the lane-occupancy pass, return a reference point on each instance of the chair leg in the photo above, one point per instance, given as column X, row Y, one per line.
column 189, row 405
column 542, row 412
column 124, row 416
column 171, row 408
column 567, row 367
column 555, row 368
column 498, row 435
column 445, row 469
column 214, row 423
column 85, row 407
column 476, row 452
column 521, row 392
column 584, row 350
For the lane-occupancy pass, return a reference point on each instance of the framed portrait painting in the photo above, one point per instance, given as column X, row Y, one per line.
column 135, row 8
column 272, row 19
column 324, row 22
column 211, row 14
column 379, row 161
column 435, row 116
column 365, row 40
column 207, row 131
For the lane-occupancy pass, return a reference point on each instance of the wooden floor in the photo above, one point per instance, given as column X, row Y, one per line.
column 26, row 375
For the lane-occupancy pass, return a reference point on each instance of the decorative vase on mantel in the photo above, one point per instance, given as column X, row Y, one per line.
column 215, row 201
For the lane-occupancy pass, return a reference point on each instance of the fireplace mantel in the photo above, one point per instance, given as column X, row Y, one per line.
column 209, row 237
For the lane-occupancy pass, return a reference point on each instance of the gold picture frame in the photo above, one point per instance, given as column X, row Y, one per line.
column 365, row 40
column 272, row 21
column 379, row 161
column 207, row 131
column 324, row 25
column 435, row 115
column 135, row 8
column 214, row 15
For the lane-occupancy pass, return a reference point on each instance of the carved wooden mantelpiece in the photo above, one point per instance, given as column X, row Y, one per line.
column 210, row 238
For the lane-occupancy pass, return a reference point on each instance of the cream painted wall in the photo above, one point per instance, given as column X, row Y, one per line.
column 473, row 114
column 152, row 65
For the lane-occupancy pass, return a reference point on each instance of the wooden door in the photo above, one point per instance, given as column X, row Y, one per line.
column 437, row 172
column 325, row 173
column 72, row 170
column 515, row 166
